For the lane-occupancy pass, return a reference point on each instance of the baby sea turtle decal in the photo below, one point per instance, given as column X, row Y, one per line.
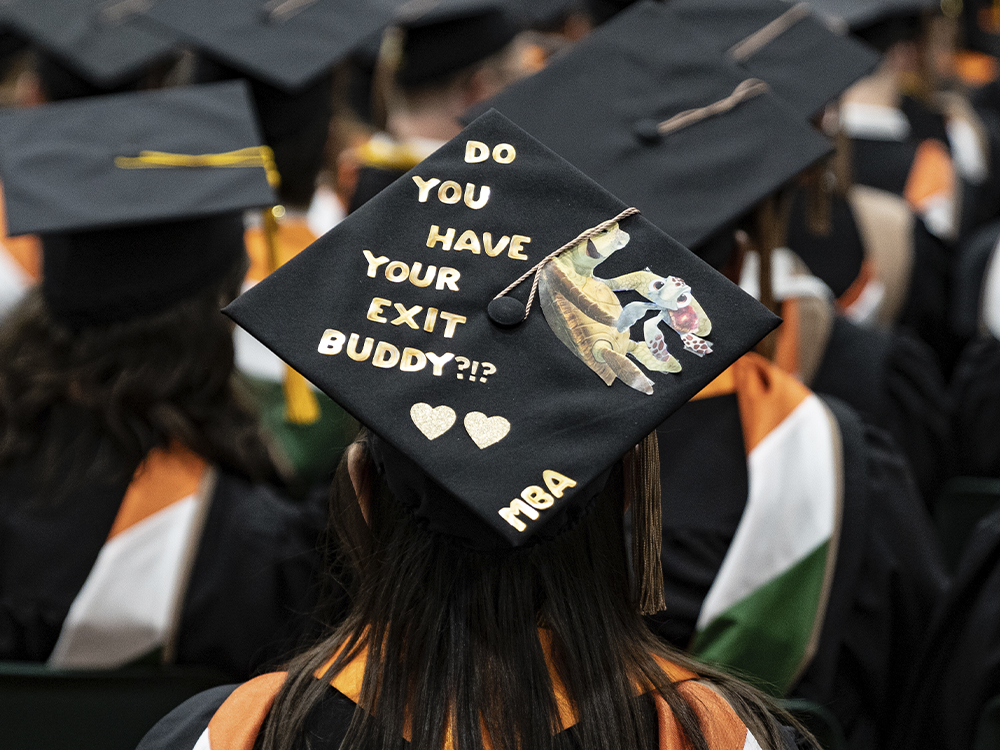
column 676, row 307
column 583, row 312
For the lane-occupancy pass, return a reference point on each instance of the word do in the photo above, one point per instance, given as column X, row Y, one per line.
column 477, row 151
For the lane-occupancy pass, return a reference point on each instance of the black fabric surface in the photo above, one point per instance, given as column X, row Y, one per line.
column 594, row 104
column 562, row 415
column 807, row 65
column 252, row 587
column 976, row 393
column 371, row 182
column 701, row 509
column 971, row 262
column 888, row 580
column 894, row 382
column 959, row 667
column 181, row 728
column 882, row 164
column 835, row 258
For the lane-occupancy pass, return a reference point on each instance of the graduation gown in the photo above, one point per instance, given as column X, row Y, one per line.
column 959, row 667
column 755, row 443
column 187, row 561
column 230, row 717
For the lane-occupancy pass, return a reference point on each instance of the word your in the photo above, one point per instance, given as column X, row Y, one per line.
column 463, row 364
column 386, row 356
column 408, row 316
column 534, row 499
column 450, row 192
column 469, row 240
column 477, row 151
column 397, row 272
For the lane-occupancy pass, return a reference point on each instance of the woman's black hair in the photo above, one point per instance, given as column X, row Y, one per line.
column 452, row 637
column 87, row 404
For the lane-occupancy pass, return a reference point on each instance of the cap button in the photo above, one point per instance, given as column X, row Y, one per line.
column 505, row 311
column 648, row 131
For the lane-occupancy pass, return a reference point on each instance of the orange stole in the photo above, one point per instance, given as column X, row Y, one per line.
column 26, row 250
column 931, row 175
column 165, row 476
column 294, row 236
column 766, row 394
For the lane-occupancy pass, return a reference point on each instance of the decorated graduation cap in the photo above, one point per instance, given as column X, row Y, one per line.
column 287, row 43
column 138, row 197
column 106, row 43
column 506, row 327
column 787, row 46
column 650, row 110
column 441, row 37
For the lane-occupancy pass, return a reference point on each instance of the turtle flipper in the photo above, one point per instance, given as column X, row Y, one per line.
column 627, row 372
column 696, row 344
column 632, row 312
column 642, row 353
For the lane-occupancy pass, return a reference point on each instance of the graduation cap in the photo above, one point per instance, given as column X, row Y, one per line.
column 442, row 37
column 138, row 197
column 105, row 42
column 801, row 58
column 287, row 43
column 499, row 407
column 652, row 112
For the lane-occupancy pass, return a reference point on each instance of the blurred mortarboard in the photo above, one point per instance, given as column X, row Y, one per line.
column 138, row 197
column 650, row 110
column 105, row 42
column 859, row 14
column 442, row 37
column 500, row 434
column 287, row 43
column 801, row 59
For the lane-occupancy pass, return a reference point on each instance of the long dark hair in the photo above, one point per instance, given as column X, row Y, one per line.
column 87, row 405
column 452, row 638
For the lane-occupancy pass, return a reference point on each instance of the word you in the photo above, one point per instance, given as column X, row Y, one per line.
column 534, row 499
column 463, row 364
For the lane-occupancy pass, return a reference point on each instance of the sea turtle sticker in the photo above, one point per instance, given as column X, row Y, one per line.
column 586, row 315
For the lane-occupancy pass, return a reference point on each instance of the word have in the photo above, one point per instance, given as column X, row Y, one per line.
column 469, row 240
column 534, row 499
column 407, row 315
column 463, row 364
column 397, row 272
column 386, row 356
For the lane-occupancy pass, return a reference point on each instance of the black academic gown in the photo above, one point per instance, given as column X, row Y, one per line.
column 252, row 584
column 959, row 667
column 887, row 578
column 976, row 392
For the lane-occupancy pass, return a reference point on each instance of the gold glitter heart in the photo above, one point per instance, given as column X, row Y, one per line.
column 432, row 422
column 485, row 431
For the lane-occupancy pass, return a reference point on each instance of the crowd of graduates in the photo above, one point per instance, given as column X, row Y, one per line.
column 243, row 492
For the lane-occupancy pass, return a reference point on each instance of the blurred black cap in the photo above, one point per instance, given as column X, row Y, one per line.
column 499, row 433
column 106, row 43
column 138, row 197
column 650, row 110
column 801, row 59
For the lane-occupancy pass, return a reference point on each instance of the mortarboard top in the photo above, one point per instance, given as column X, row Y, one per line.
column 138, row 197
column 77, row 165
column 857, row 14
column 801, row 59
column 604, row 105
column 287, row 43
column 442, row 37
column 389, row 314
column 106, row 43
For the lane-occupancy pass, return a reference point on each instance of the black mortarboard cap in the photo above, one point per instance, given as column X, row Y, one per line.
column 442, row 37
column 498, row 434
column 604, row 106
column 138, row 197
column 104, row 42
column 287, row 43
column 858, row 14
column 801, row 58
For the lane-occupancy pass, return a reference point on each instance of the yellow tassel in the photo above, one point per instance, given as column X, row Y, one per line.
column 301, row 404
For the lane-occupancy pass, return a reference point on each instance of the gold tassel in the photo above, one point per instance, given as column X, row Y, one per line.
column 642, row 491
column 301, row 404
